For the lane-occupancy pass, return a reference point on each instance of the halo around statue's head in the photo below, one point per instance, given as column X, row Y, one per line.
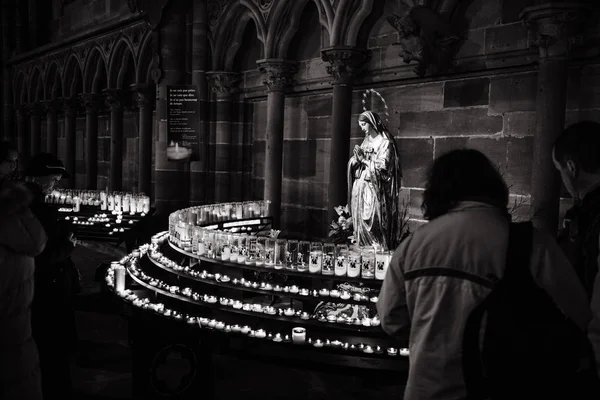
column 385, row 115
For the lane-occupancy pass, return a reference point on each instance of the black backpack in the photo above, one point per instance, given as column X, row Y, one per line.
column 529, row 348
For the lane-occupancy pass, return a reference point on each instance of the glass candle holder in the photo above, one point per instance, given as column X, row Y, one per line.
column 303, row 258
column 201, row 242
column 269, row 253
column 220, row 239
column 235, row 248
column 328, row 259
column 195, row 234
column 261, row 248
column 243, row 248
column 354, row 262
column 291, row 254
column 367, row 254
column 209, row 243
column 382, row 262
column 252, row 250
column 280, row 261
column 316, row 258
column 341, row 260
column 226, row 247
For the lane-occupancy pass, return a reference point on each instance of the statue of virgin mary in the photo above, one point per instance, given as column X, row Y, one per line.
column 374, row 181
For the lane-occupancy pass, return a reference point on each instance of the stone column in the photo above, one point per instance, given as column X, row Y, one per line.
column 278, row 76
column 224, row 84
column 70, row 106
column 114, row 100
column 35, row 128
column 553, row 27
column 22, row 136
column 91, row 102
column 171, row 189
column 200, row 63
column 143, row 96
column 344, row 64
column 51, row 126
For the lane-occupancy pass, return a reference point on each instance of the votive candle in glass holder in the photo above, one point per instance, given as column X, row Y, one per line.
column 279, row 258
column 251, row 243
column 328, row 259
column 316, row 258
column 210, row 244
column 291, row 254
column 269, row 253
column 341, row 260
column 226, row 247
column 261, row 247
column 220, row 239
column 239, row 211
column 243, row 248
column 195, row 234
column 368, row 262
column 303, row 258
column 201, row 241
column 235, row 248
column 382, row 262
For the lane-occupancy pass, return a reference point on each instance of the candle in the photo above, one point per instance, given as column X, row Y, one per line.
column 298, row 335
column 119, row 277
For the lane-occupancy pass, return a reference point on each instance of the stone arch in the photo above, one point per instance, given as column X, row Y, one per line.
column 73, row 77
column 94, row 73
column 52, row 82
column 36, row 85
column 236, row 43
column 349, row 17
column 121, row 62
column 230, row 29
column 285, row 20
column 21, row 89
column 144, row 59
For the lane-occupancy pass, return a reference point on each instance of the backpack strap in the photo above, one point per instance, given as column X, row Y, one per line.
column 520, row 243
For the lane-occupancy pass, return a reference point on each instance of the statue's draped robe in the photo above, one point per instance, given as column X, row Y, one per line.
column 374, row 194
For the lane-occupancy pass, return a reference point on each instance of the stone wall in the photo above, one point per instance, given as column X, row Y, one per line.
column 487, row 103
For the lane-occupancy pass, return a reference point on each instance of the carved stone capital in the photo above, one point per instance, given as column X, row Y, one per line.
column 50, row 106
column 91, row 101
column 33, row 110
column 224, row 84
column 345, row 63
column 114, row 98
column 70, row 105
column 143, row 95
column 555, row 27
column 278, row 73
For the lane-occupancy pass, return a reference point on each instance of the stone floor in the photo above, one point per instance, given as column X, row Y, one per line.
column 102, row 368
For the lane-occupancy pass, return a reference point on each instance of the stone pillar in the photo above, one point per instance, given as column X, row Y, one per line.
column 143, row 100
column 51, row 126
column 200, row 63
column 278, row 76
column 171, row 189
column 22, row 136
column 344, row 64
column 35, row 128
column 553, row 27
column 70, row 106
column 224, row 84
column 114, row 100
column 91, row 102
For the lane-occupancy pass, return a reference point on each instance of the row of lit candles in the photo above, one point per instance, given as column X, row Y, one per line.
column 107, row 201
column 212, row 213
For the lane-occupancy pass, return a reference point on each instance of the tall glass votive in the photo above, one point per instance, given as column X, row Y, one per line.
column 243, row 248
column 235, row 248
column 368, row 262
column 303, row 258
column 382, row 262
column 269, row 253
column 354, row 262
column 261, row 251
column 252, row 250
column 328, row 259
column 201, row 242
column 226, row 247
column 209, row 243
column 195, row 235
column 220, row 239
column 316, row 258
column 341, row 260
column 280, row 261
column 291, row 254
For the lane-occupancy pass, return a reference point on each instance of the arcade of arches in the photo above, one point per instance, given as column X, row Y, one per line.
column 281, row 83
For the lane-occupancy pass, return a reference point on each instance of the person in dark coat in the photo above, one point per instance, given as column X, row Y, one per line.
column 55, row 280
column 22, row 238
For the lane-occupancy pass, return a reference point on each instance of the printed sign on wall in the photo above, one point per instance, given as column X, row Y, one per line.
column 183, row 119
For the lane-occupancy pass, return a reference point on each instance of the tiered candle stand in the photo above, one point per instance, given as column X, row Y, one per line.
column 215, row 283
